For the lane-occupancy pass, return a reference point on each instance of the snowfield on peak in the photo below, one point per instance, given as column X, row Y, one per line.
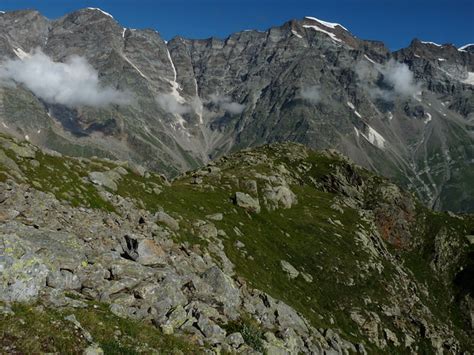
column 97, row 9
column 463, row 48
column 319, row 29
column 432, row 43
column 332, row 25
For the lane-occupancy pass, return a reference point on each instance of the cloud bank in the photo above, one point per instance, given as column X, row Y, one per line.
column 174, row 104
column 226, row 103
column 399, row 76
column 396, row 79
column 170, row 103
column 311, row 94
column 72, row 83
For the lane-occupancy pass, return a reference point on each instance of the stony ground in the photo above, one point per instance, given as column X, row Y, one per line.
column 273, row 250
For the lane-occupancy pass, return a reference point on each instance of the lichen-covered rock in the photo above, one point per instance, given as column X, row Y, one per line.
column 167, row 220
column 279, row 197
column 289, row 269
column 106, row 179
column 247, row 202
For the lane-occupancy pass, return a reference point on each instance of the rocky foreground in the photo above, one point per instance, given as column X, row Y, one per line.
column 278, row 250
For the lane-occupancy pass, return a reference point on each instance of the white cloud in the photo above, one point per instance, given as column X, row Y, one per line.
column 72, row 83
column 397, row 78
column 176, row 105
column 170, row 104
column 311, row 94
column 226, row 103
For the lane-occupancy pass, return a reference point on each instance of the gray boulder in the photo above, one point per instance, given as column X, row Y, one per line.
column 289, row 269
column 279, row 197
column 247, row 202
column 224, row 289
column 63, row 280
column 167, row 220
column 103, row 179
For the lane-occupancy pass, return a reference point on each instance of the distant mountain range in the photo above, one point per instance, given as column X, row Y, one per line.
column 83, row 85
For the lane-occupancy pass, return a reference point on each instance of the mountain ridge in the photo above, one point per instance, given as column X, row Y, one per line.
column 198, row 99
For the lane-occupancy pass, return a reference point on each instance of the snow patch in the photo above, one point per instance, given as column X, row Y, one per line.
column 38, row 131
column 174, row 83
column 390, row 115
column 432, row 43
column 375, row 138
column 4, row 125
column 296, row 34
column 135, row 67
column 175, row 74
column 470, row 78
column 441, row 59
column 417, row 96
column 351, row 105
column 369, row 59
column 330, row 34
column 27, row 137
column 20, row 53
column 372, row 136
column 327, row 24
column 463, row 48
column 428, row 117
column 123, row 32
column 97, row 9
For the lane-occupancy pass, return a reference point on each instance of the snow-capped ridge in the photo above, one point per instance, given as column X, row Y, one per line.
column 463, row 48
column 97, row 9
column 331, row 25
column 319, row 29
column 432, row 43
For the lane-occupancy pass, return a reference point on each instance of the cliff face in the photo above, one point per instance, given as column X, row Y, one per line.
column 406, row 115
column 279, row 248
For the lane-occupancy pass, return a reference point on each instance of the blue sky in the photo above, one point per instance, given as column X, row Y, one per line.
column 394, row 22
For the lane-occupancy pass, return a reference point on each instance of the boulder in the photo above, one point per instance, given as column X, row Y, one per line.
column 223, row 288
column 22, row 151
column 208, row 231
column 150, row 253
column 235, row 339
column 213, row 333
column 215, row 217
column 103, row 179
column 279, row 197
column 167, row 220
column 289, row 269
column 63, row 280
column 247, row 202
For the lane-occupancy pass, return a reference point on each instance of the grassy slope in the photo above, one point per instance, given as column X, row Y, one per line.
column 301, row 235
column 34, row 330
